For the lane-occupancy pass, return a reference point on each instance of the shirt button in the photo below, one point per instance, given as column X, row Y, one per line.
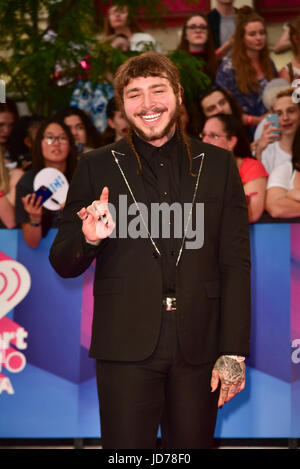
column 161, row 164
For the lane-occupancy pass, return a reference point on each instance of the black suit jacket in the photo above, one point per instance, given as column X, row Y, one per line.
column 212, row 282
column 214, row 20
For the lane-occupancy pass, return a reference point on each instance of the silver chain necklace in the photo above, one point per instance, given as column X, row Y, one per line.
column 114, row 153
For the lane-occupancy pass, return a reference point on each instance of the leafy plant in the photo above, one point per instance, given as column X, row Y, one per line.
column 40, row 37
column 45, row 41
column 192, row 78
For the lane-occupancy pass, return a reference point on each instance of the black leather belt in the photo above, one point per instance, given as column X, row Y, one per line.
column 169, row 303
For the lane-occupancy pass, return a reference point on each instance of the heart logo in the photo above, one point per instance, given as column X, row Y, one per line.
column 15, row 283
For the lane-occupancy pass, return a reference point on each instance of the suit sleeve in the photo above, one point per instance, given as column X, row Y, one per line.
column 235, row 267
column 70, row 255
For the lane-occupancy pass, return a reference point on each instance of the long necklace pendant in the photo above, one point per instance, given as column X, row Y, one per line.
column 135, row 201
column 191, row 209
column 137, row 205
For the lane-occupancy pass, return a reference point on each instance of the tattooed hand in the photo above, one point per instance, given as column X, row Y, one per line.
column 232, row 376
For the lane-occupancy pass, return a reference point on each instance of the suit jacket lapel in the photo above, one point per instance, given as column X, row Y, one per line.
column 129, row 165
column 190, row 189
column 188, row 182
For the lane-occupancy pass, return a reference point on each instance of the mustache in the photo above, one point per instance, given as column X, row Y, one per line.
column 155, row 110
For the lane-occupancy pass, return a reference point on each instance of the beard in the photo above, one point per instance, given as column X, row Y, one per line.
column 153, row 134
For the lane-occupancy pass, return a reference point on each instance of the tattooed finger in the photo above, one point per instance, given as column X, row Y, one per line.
column 223, row 395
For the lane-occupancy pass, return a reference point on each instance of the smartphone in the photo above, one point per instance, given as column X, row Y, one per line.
column 274, row 119
column 43, row 192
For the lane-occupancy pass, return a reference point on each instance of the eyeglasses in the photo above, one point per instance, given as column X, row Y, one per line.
column 211, row 135
column 193, row 27
column 62, row 139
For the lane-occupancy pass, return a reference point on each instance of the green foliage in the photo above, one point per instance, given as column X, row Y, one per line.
column 31, row 62
column 105, row 60
column 192, row 78
column 42, row 71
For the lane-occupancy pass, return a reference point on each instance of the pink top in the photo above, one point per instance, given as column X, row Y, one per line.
column 251, row 169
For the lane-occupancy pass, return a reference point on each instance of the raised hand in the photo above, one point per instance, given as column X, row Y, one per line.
column 269, row 135
column 97, row 222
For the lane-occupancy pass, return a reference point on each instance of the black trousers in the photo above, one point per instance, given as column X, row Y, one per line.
column 135, row 397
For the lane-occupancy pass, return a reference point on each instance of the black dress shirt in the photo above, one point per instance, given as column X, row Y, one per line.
column 161, row 178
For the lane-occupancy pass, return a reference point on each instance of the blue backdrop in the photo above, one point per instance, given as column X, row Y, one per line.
column 55, row 394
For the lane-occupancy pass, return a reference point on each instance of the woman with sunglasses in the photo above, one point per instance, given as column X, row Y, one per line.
column 197, row 40
column 53, row 148
column 224, row 131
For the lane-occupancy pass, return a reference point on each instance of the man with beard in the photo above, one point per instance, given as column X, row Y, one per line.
column 171, row 319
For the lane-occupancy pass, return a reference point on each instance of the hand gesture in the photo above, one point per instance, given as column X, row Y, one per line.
column 97, row 222
column 269, row 135
column 232, row 376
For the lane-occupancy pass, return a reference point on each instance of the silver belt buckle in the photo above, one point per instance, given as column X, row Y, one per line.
column 170, row 304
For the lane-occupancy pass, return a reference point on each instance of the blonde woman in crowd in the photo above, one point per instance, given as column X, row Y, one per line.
column 8, row 116
column 8, row 182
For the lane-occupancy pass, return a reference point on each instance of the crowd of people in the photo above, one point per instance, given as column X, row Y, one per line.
column 250, row 109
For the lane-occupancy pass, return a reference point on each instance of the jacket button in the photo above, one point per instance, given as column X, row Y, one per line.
column 155, row 255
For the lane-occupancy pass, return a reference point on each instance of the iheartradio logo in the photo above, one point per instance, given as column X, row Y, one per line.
column 14, row 285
